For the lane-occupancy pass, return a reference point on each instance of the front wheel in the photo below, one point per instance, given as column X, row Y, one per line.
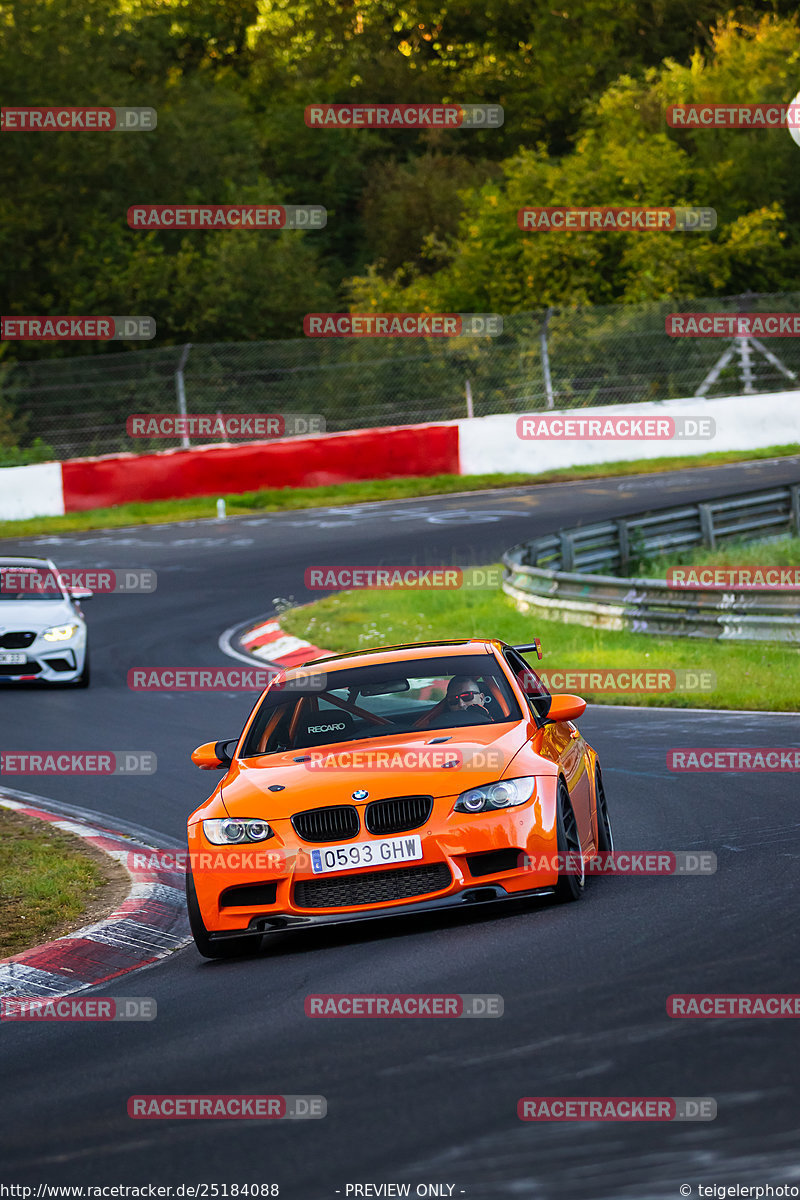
column 605, row 838
column 568, row 842
column 226, row 948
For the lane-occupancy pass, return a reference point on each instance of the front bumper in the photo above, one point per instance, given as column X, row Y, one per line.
column 466, row 859
column 47, row 662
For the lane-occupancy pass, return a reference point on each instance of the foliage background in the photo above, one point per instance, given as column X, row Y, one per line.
column 416, row 221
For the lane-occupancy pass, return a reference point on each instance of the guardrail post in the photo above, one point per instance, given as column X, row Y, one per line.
column 567, row 551
column 531, row 555
column 624, row 546
column 707, row 526
column 795, row 495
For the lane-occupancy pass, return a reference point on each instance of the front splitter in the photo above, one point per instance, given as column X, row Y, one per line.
column 284, row 922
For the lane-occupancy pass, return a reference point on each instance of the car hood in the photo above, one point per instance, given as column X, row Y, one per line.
column 394, row 765
column 36, row 615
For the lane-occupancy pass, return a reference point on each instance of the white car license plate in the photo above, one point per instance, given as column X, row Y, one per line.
column 10, row 660
column 366, row 854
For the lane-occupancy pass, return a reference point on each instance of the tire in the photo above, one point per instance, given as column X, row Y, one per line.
column 230, row 947
column 605, row 836
column 569, row 887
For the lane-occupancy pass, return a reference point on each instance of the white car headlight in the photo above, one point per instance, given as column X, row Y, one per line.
column 60, row 633
column 507, row 793
column 229, row 832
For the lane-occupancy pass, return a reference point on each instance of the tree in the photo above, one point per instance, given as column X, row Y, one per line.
column 625, row 154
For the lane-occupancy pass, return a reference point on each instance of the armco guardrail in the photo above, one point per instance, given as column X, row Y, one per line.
column 552, row 575
column 616, row 545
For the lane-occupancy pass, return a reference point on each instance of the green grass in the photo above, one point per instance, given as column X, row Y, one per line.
column 780, row 552
column 46, row 882
column 748, row 676
column 159, row 512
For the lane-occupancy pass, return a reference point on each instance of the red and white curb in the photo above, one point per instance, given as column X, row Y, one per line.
column 269, row 643
column 147, row 926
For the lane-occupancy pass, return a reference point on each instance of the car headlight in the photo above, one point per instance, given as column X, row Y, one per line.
column 228, row 832
column 507, row 793
column 60, row 633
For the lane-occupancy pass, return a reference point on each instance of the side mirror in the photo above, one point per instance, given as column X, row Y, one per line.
column 213, row 756
column 80, row 593
column 565, row 708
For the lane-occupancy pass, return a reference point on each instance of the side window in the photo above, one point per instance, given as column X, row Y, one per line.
column 536, row 693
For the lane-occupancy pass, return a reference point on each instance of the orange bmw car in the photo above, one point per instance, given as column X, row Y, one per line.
column 393, row 781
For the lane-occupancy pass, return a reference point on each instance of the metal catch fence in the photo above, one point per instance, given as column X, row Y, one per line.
column 559, row 358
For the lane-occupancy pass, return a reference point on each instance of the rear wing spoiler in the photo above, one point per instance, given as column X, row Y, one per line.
column 529, row 646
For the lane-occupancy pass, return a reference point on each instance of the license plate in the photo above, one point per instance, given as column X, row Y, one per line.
column 366, row 854
column 9, row 660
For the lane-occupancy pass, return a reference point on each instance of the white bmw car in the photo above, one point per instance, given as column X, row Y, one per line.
column 43, row 634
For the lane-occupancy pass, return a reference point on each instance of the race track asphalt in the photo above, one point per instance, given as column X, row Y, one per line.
column 584, row 986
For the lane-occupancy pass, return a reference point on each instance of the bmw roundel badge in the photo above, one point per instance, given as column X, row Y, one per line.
column 360, row 794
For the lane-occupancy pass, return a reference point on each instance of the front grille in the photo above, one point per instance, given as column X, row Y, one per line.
column 398, row 815
column 249, row 894
column 16, row 641
column 31, row 668
column 373, row 887
column 494, row 860
column 326, row 824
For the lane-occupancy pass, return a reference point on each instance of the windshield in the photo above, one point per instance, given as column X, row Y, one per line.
column 29, row 583
column 426, row 694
